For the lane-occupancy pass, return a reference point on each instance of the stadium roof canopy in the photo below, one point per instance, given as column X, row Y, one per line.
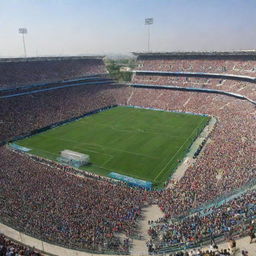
column 250, row 54
column 55, row 58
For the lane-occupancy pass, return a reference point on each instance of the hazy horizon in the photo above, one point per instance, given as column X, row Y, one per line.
column 89, row 27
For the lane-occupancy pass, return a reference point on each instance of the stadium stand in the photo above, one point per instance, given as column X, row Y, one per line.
column 90, row 211
column 18, row 117
column 235, row 144
column 227, row 163
column 30, row 71
column 233, row 217
column 59, row 207
column 9, row 247
column 241, row 63
column 234, row 72
column 245, row 88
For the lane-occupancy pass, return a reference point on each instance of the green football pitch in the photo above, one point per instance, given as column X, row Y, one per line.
column 141, row 143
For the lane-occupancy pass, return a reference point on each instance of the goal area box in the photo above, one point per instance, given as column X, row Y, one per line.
column 73, row 158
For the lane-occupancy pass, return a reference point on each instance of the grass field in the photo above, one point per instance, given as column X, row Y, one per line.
column 141, row 143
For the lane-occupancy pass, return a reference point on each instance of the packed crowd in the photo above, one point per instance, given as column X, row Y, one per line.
column 199, row 252
column 202, row 65
column 22, row 114
column 88, row 80
column 223, row 166
column 52, row 203
column 240, row 87
column 233, row 217
column 15, row 73
column 11, row 248
column 224, row 252
column 218, row 66
column 227, row 163
column 57, row 206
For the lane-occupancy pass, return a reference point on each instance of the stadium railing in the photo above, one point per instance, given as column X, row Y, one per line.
column 191, row 89
column 70, row 246
column 241, row 230
column 196, row 74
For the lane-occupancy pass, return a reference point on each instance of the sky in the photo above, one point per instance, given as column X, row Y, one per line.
column 88, row 27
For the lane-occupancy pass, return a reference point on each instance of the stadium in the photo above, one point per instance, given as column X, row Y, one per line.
column 85, row 209
column 143, row 152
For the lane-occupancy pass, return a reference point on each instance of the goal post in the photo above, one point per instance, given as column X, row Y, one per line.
column 73, row 158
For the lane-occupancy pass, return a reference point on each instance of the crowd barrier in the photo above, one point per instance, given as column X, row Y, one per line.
column 48, row 247
column 51, row 58
column 58, row 87
column 196, row 74
column 207, row 240
column 178, row 88
column 25, row 86
column 224, row 198
column 131, row 181
column 172, row 111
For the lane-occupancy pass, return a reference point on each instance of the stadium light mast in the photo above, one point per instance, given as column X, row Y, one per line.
column 23, row 31
column 148, row 22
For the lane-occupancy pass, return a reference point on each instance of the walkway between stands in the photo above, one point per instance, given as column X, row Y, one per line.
column 152, row 212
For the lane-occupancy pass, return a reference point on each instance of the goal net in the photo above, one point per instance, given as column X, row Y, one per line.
column 73, row 158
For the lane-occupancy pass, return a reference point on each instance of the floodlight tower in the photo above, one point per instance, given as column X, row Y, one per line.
column 148, row 22
column 23, row 31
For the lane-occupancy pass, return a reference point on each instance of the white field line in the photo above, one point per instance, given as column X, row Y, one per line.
column 101, row 167
column 77, row 146
column 177, row 152
column 106, row 147
column 121, row 172
column 132, row 153
column 140, row 130
column 110, row 158
column 45, row 151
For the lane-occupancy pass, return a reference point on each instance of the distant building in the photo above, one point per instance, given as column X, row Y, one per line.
column 125, row 69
